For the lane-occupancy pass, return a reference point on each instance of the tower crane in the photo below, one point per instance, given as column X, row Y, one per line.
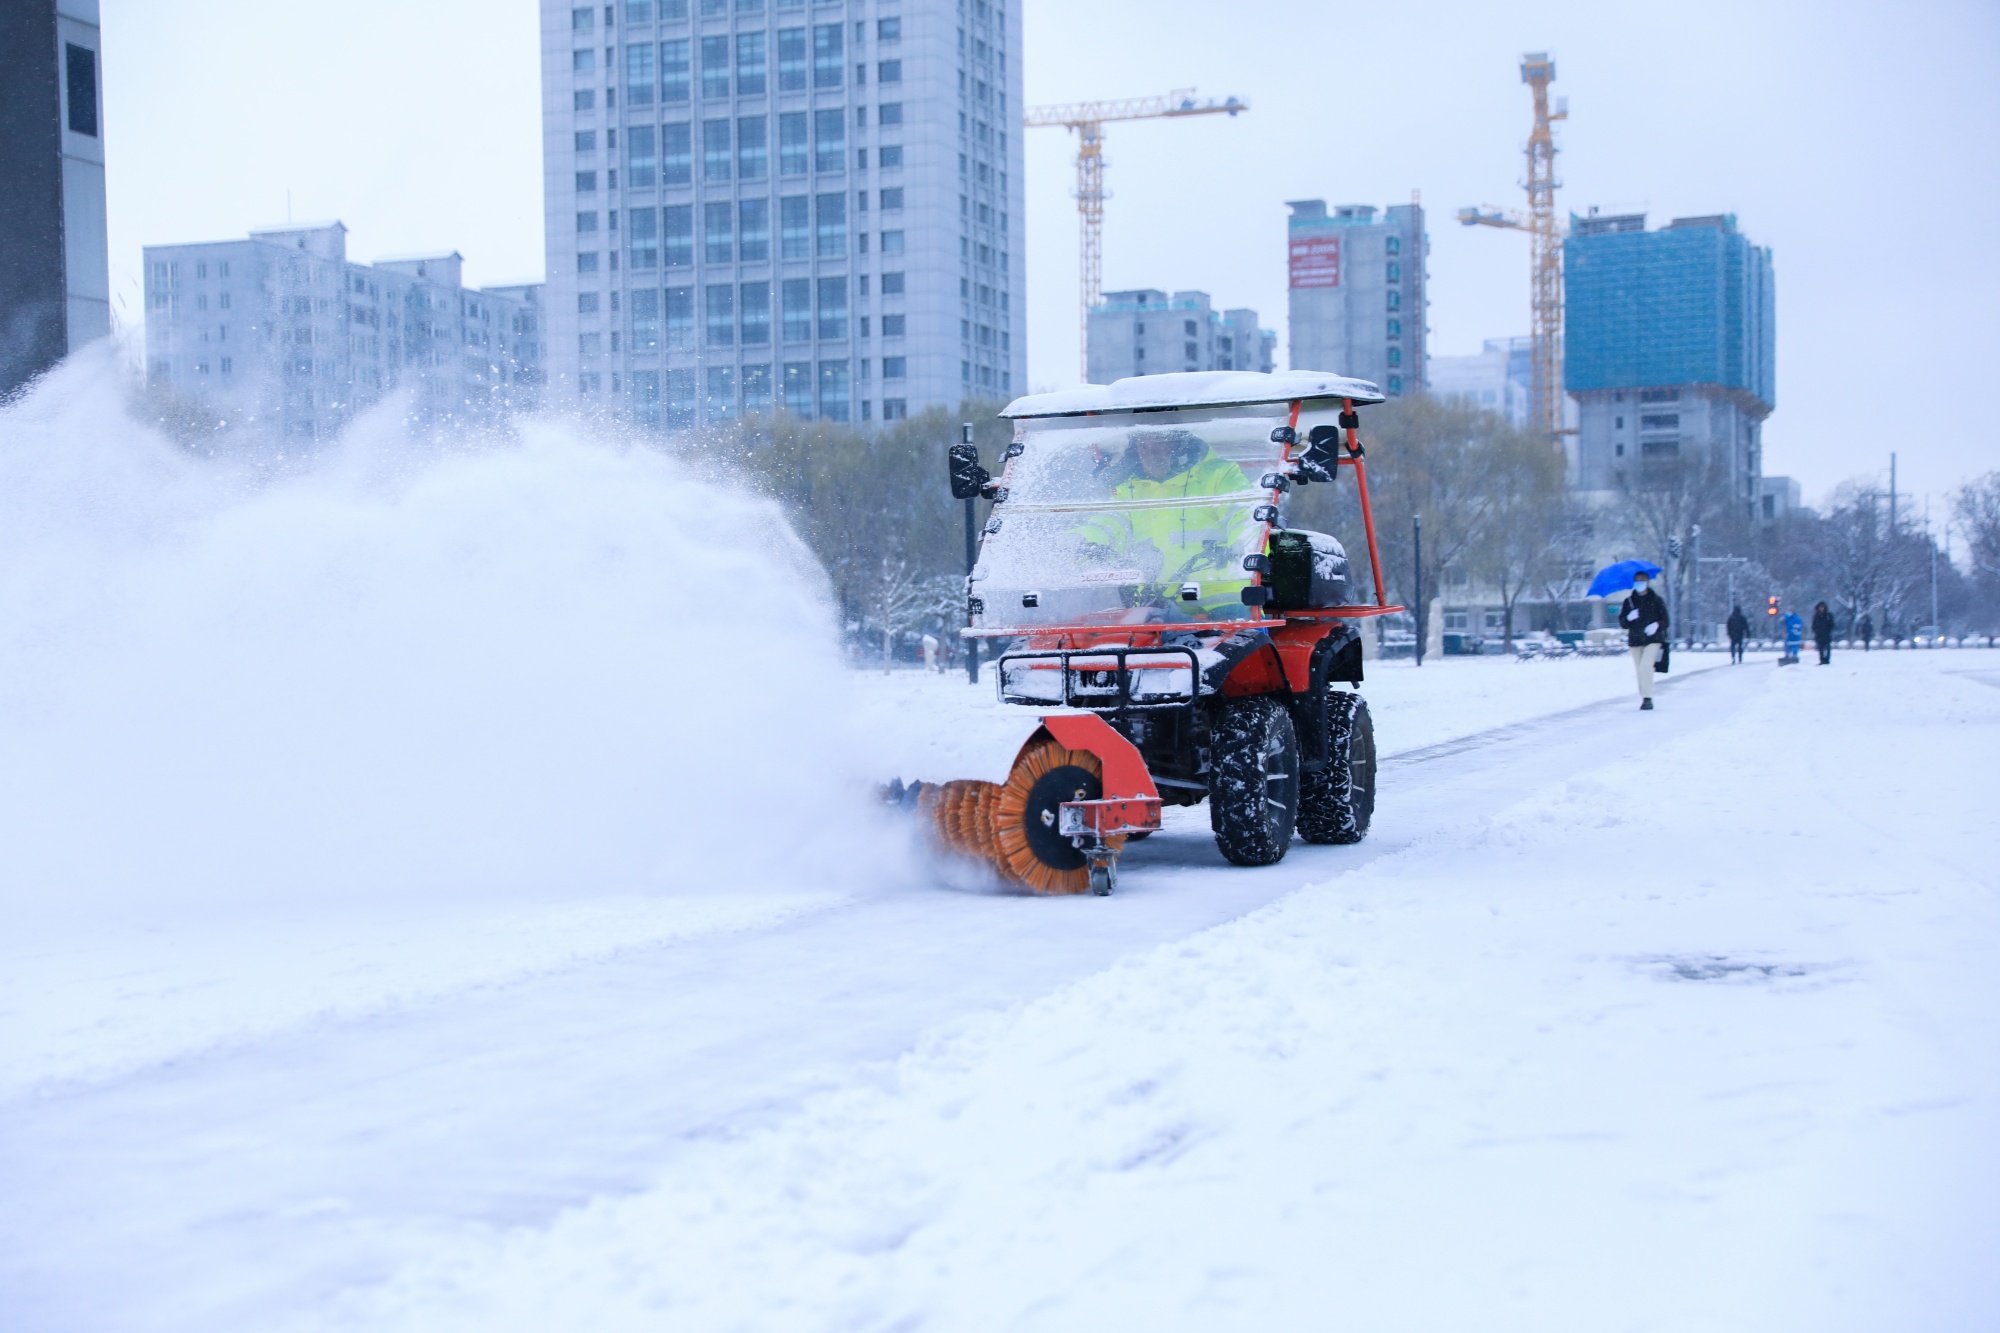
column 1538, row 71
column 1088, row 120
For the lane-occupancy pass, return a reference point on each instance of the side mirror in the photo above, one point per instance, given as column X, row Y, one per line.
column 968, row 479
column 1321, row 461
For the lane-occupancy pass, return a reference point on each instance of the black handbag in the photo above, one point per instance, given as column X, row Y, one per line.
column 1666, row 650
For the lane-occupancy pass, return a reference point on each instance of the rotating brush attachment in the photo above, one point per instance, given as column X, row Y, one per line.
column 960, row 817
column 1025, row 813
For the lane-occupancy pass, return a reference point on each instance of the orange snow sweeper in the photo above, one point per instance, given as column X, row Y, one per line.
column 1143, row 589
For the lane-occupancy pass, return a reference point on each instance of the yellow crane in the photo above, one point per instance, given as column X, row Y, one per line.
column 1088, row 120
column 1538, row 71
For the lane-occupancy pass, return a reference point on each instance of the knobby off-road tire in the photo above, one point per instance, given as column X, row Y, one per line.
column 1336, row 803
column 1253, row 794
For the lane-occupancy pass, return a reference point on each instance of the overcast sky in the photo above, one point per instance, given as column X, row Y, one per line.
column 1860, row 142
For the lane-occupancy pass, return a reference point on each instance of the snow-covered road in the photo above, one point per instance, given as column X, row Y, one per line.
column 1616, row 1021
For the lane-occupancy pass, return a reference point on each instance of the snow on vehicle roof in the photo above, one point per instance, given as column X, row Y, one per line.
column 1201, row 388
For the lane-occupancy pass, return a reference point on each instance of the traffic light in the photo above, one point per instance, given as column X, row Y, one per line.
column 1773, row 609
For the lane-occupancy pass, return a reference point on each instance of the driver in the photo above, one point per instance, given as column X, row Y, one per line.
column 1185, row 542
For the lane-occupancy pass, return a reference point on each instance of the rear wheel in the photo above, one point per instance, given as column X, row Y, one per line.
column 1336, row 803
column 1253, row 794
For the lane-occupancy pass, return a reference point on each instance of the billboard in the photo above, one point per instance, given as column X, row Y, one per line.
column 1315, row 261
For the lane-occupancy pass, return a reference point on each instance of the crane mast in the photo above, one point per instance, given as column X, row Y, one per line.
column 1087, row 120
column 1538, row 71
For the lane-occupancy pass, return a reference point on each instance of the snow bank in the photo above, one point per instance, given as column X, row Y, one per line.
column 265, row 717
column 1701, row 1039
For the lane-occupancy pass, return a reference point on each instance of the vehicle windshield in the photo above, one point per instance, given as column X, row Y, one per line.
column 1128, row 518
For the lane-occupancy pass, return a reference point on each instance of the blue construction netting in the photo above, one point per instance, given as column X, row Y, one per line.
column 1688, row 304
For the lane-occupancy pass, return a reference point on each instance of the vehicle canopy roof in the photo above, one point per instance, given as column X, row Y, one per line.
column 1204, row 388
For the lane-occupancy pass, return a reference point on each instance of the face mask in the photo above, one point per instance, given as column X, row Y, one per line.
column 1641, row 586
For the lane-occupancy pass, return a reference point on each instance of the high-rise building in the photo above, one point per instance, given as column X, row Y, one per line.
column 55, row 277
column 1147, row 332
column 1670, row 339
column 1500, row 377
column 1358, row 292
column 282, row 329
column 758, row 205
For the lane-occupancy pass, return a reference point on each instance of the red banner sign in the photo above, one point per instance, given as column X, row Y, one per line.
column 1316, row 261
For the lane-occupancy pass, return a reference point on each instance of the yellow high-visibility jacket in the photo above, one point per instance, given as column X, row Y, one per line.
column 1194, row 542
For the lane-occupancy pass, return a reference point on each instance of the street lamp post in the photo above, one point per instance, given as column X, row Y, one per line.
column 1417, row 531
column 971, row 559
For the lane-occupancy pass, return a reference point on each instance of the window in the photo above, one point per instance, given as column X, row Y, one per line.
column 645, row 320
column 798, row 388
column 889, row 113
column 893, row 367
column 586, row 182
column 1395, row 356
column 586, row 303
column 1395, row 328
column 830, row 224
column 796, row 295
column 583, row 61
column 638, row 11
column 587, row 344
column 717, row 244
column 889, row 155
column 674, row 71
column 582, row 18
column 677, row 228
column 680, row 398
column 642, row 235
column 889, row 71
column 721, row 399
column 720, row 302
column 892, row 284
column 895, row 409
column 892, row 198
column 680, row 319
column 714, row 8
column 749, row 64
column 676, row 155
column 715, row 150
column 586, row 141
column 861, row 206
column 586, row 222
column 639, row 74
column 586, row 262
column 892, row 326
column 1659, row 395
column 1395, row 384
column 833, row 390
column 833, row 308
column 757, row 388
column 827, row 52
column 829, row 140
column 1395, row 300
column 715, row 67
column 756, row 314
column 1664, row 421
column 794, row 227
column 753, row 230
column 753, row 155
column 639, row 174
column 792, row 143
column 791, row 60
column 585, row 99
column 889, row 30
column 225, row 365
column 1395, row 272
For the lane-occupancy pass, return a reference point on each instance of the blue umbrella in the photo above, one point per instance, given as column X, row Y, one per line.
column 1618, row 577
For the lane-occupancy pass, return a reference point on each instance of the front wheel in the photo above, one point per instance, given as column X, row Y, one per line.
column 1336, row 803
column 1253, row 794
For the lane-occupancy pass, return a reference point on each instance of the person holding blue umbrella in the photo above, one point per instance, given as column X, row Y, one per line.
column 1643, row 615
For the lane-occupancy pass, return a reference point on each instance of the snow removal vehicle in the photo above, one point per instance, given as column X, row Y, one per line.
column 1143, row 588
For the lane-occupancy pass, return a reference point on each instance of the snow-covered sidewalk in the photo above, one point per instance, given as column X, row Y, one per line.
column 1703, row 1038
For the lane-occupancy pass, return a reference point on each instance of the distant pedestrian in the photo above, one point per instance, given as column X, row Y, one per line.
column 1644, row 617
column 1739, row 630
column 1822, row 628
column 1867, row 629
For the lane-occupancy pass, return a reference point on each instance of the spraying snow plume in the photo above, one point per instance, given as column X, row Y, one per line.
column 502, row 666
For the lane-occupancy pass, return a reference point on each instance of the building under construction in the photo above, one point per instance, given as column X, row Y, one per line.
column 1670, row 349
column 1358, row 295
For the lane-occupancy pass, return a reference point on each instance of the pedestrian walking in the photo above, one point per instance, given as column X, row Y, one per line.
column 1644, row 617
column 1822, row 628
column 1739, row 630
column 1867, row 629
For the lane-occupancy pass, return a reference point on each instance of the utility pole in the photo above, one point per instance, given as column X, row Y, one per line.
column 1417, row 528
column 971, row 559
column 1694, row 586
column 1673, row 580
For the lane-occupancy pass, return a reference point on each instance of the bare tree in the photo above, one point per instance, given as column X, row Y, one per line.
column 1516, row 544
